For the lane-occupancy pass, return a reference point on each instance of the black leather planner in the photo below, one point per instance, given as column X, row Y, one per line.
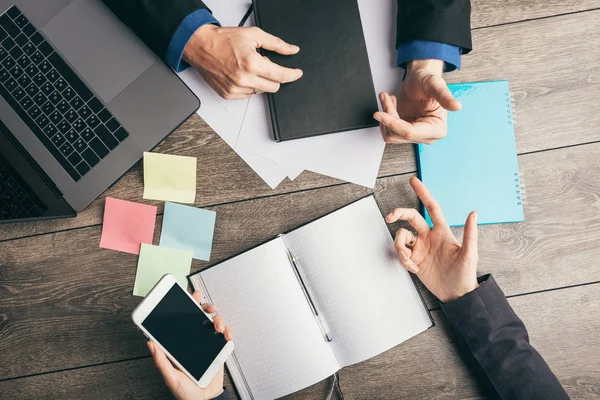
column 336, row 92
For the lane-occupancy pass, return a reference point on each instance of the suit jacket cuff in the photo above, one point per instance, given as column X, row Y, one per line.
column 182, row 36
column 427, row 50
column 222, row 396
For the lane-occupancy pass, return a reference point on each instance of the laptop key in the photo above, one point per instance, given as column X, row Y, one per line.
column 98, row 147
column 45, row 66
column 28, row 30
column 66, row 149
column 93, row 121
column 8, row 43
column 32, row 89
column 58, row 140
column 16, row 52
column 104, row 135
column 36, row 38
column 21, row 40
column 18, row 93
column 71, row 116
column 72, row 97
column 50, row 130
column 3, row 53
column 85, row 112
column 16, row 71
column 60, row 84
column 95, row 105
column 13, row 12
column 28, row 49
column 24, row 80
column 55, row 97
column 26, row 102
column 56, row 117
column 39, row 98
column 82, row 168
column 70, row 76
column 71, row 136
column 42, row 121
column 11, row 84
column 52, row 75
column 80, row 145
column 87, row 134
column 90, row 157
column 63, row 126
column 78, row 125
column 75, row 159
column 47, row 88
column 9, row 26
column 34, row 112
column 3, row 34
column 31, row 70
column 24, row 61
column 48, row 108
column 8, row 62
column 37, row 57
column 63, row 106
column 4, row 75
column 40, row 79
column 112, row 125
column 104, row 115
column 45, row 48
column 21, row 21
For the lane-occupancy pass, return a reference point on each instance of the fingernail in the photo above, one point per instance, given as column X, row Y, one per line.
column 300, row 73
column 381, row 97
column 377, row 117
column 412, row 267
column 221, row 325
column 294, row 47
column 475, row 217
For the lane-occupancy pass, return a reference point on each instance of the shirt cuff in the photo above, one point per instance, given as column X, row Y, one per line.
column 183, row 34
column 426, row 50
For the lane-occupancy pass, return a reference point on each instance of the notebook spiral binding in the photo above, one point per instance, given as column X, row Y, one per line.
column 519, row 186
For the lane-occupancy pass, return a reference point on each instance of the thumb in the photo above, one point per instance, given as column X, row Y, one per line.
column 267, row 41
column 469, row 246
column 166, row 369
column 435, row 87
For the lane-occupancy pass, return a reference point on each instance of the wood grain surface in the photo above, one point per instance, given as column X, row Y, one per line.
column 60, row 291
column 557, row 103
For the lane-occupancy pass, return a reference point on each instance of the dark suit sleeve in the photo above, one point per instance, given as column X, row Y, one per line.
column 444, row 21
column 499, row 342
column 223, row 396
column 154, row 21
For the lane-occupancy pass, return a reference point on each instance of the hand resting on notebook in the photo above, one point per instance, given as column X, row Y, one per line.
column 445, row 266
column 227, row 59
column 180, row 385
column 419, row 114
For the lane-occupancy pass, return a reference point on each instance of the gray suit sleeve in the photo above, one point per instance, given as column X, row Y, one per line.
column 499, row 342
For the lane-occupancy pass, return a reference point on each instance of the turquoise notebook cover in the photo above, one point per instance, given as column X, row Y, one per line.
column 475, row 167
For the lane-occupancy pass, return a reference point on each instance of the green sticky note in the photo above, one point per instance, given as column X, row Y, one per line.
column 188, row 228
column 169, row 178
column 155, row 262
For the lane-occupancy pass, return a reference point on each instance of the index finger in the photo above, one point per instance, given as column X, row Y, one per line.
column 410, row 215
column 432, row 206
column 274, row 72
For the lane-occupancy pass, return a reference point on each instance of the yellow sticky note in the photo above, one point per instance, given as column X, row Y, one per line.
column 169, row 178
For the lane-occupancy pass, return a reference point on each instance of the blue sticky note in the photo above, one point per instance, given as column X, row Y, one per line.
column 188, row 228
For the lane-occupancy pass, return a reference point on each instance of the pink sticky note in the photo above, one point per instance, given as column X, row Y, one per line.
column 127, row 225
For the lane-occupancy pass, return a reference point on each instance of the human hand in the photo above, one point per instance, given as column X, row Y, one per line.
column 182, row 387
column 228, row 60
column 418, row 114
column 447, row 268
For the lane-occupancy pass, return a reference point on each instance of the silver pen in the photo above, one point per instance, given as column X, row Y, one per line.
column 324, row 332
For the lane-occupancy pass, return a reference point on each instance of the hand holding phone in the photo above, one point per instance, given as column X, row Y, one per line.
column 187, row 351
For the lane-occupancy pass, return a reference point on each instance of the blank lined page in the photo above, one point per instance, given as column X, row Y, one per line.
column 368, row 301
column 278, row 344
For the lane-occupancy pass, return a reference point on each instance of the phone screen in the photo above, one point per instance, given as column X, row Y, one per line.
column 185, row 331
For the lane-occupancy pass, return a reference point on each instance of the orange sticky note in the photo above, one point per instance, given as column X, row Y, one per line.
column 127, row 225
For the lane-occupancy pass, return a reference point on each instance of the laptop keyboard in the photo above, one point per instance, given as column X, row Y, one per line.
column 16, row 198
column 52, row 100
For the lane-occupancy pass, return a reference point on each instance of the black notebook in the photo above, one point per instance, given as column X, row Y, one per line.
column 336, row 92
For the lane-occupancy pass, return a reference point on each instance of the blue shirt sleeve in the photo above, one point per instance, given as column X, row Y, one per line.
column 424, row 50
column 182, row 36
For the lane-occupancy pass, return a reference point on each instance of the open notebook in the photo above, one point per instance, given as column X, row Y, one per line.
column 475, row 167
column 367, row 303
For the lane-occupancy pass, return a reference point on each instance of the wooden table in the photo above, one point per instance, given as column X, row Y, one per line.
column 65, row 304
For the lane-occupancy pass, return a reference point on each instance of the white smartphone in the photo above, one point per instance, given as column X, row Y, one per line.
column 171, row 318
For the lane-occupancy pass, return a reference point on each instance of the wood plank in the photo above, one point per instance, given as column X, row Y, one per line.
column 426, row 367
column 60, row 292
column 563, row 326
column 489, row 12
column 546, row 82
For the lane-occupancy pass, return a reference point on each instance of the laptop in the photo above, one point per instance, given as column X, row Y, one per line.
column 81, row 99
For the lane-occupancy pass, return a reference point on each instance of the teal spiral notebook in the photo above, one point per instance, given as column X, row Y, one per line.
column 475, row 167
